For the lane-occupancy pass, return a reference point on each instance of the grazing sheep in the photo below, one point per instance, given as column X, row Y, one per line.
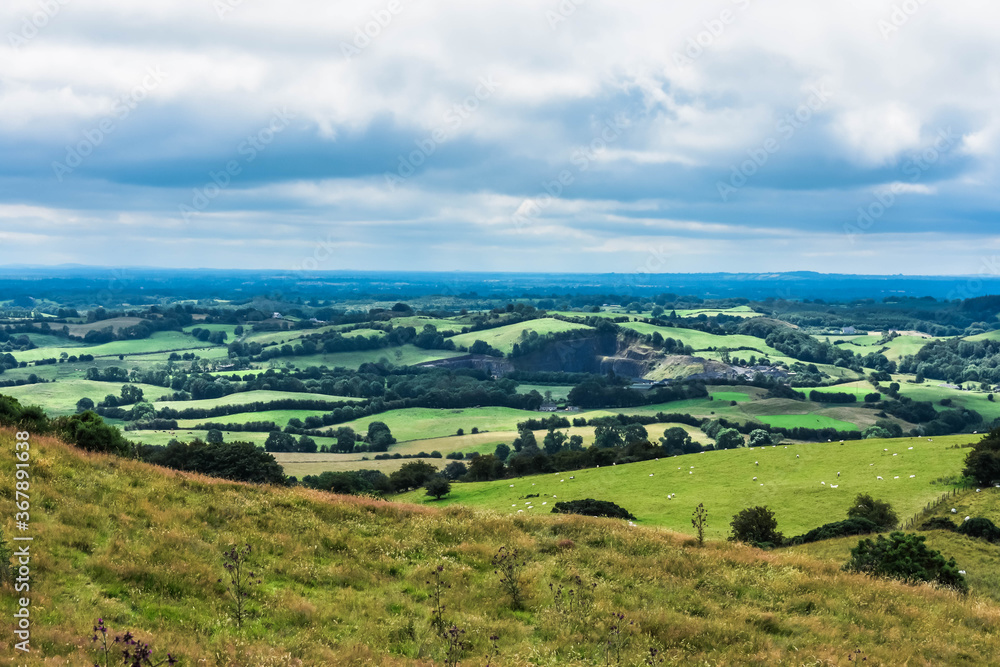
column 756, row 463
column 967, row 518
column 650, row 474
column 896, row 477
column 954, row 511
column 878, row 478
column 796, row 456
column 838, row 474
column 912, row 476
column 823, row 483
column 512, row 486
column 834, row 486
column 755, row 479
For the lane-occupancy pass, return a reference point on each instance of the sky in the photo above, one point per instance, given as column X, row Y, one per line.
column 577, row 135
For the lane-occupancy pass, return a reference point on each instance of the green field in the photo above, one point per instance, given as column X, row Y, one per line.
column 503, row 338
column 279, row 417
column 788, row 481
column 807, row 421
column 700, row 341
column 859, row 388
column 59, row 398
column 560, row 392
column 404, row 355
column 245, row 397
column 423, row 423
column 159, row 342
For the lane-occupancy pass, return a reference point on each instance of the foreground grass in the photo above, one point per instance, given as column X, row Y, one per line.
column 344, row 582
column 788, row 481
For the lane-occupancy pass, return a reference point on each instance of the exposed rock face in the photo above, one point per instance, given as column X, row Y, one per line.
column 576, row 355
column 491, row 365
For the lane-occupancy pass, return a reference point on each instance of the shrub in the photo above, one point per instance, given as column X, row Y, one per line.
column 757, row 526
column 828, row 531
column 905, row 557
column 88, row 431
column 981, row 528
column 876, row 511
column 939, row 523
column 591, row 507
column 698, row 520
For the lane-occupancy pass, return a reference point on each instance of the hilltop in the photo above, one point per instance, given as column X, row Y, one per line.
column 344, row 581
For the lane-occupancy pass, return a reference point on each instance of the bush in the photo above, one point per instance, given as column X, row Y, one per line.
column 939, row 523
column 88, row 431
column 591, row 507
column 876, row 511
column 905, row 557
column 757, row 526
column 438, row 487
column 828, row 531
column 981, row 528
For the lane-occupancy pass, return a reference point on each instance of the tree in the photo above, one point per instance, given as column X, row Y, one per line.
column 983, row 463
column 906, row 557
column 455, row 470
column 438, row 487
column 525, row 440
column 576, row 443
column 502, row 452
column 84, row 404
column 412, row 475
column 346, row 437
column 279, row 442
column 306, row 445
column 757, row 526
column 553, row 442
column 379, row 437
column 485, row 468
column 873, row 432
column 675, row 440
column 759, row 437
column 876, row 511
column 213, row 436
column 728, row 438
column 130, row 394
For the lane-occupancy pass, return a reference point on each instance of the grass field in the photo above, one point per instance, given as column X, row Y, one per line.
column 405, row 355
column 807, row 421
column 300, row 465
column 279, row 417
column 245, row 397
column 59, row 398
column 559, row 391
column 700, row 340
column 503, row 338
column 788, row 482
column 423, row 423
column 859, row 388
column 931, row 390
column 158, row 342
column 344, row 582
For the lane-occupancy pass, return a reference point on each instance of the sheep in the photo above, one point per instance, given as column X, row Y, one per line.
column 650, row 474
column 796, row 456
column 755, row 479
column 756, row 463
column 823, row 483
column 879, row 478
column 512, row 486
column 912, row 476
column 954, row 511
column 834, row 486
column 967, row 518
column 838, row 474
column 896, row 477
column 909, row 447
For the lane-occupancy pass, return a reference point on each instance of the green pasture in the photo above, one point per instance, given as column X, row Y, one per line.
column 795, row 481
column 244, row 397
column 59, row 398
column 161, row 341
column 404, row 355
column 503, row 338
column 560, row 392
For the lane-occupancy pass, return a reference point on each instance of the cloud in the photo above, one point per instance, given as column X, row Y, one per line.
column 420, row 132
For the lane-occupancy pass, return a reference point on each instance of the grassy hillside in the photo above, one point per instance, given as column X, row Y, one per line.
column 789, row 481
column 345, row 582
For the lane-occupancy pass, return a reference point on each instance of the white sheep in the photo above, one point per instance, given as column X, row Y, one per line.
column 878, row 477
column 796, row 456
column 838, row 474
column 967, row 518
column 912, row 476
column 823, row 483
column 954, row 511
column 834, row 486
column 650, row 474
column 755, row 479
